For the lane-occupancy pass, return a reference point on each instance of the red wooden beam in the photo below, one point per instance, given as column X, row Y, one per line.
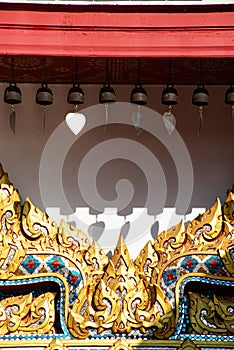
column 117, row 34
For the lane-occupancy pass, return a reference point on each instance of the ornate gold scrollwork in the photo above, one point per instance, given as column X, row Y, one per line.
column 120, row 301
column 118, row 295
column 3, row 177
column 56, row 344
column 211, row 316
column 228, row 208
column 188, row 344
column 206, row 227
column 120, row 344
column 37, row 224
column 22, row 314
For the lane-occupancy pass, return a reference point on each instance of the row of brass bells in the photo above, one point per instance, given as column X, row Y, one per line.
column 139, row 95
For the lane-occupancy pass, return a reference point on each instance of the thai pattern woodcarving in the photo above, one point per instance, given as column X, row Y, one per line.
column 55, row 282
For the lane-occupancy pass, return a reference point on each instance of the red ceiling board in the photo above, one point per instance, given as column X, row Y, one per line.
column 117, row 34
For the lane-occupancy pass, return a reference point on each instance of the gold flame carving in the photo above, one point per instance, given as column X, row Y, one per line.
column 56, row 344
column 22, row 314
column 120, row 301
column 188, row 344
column 120, row 344
column 211, row 316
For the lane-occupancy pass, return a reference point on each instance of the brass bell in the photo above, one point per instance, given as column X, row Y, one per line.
column 229, row 96
column 107, row 94
column 200, row 96
column 138, row 95
column 75, row 95
column 44, row 95
column 12, row 94
column 170, row 96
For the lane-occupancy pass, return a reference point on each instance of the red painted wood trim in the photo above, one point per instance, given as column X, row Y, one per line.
column 117, row 34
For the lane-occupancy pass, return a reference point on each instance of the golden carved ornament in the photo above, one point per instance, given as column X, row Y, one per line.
column 38, row 225
column 43, row 235
column 206, row 227
column 12, row 246
column 3, row 177
column 211, row 316
column 228, row 208
column 10, row 209
column 202, row 235
column 120, row 301
column 120, row 344
column 72, row 237
column 188, row 344
column 22, row 314
column 56, row 344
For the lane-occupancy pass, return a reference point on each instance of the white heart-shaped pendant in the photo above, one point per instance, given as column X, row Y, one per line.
column 75, row 121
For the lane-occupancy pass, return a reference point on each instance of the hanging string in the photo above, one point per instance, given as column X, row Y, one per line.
column 139, row 71
column 168, row 117
column 107, row 71
column 76, row 70
column 170, row 72
column 200, row 108
column 233, row 84
column 12, row 69
column 201, row 71
column 44, row 70
column 44, row 106
column 106, row 104
column 13, row 113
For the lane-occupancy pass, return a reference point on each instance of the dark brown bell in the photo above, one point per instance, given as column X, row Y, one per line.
column 107, row 94
column 200, row 96
column 169, row 96
column 75, row 95
column 138, row 95
column 44, row 95
column 229, row 96
column 12, row 94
